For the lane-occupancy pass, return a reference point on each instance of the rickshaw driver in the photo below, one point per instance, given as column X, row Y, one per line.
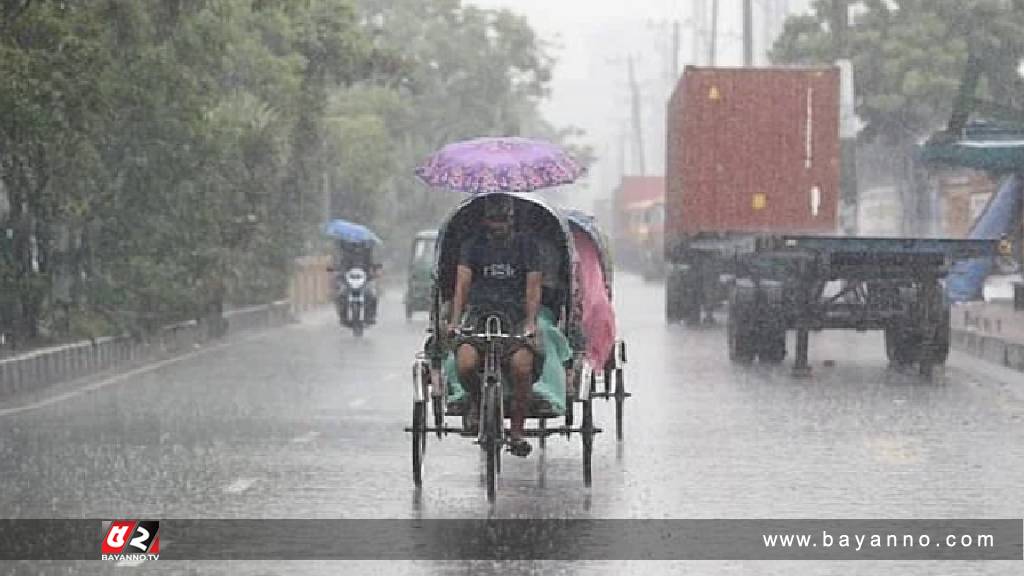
column 499, row 270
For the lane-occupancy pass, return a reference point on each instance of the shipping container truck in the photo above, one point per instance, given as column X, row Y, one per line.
column 752, row 218
column 639, row 204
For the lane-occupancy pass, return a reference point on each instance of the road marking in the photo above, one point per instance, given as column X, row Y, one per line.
column 113, row 380
column 357, row 403
column 896, row 450
column 306, row 438
column 240, row 485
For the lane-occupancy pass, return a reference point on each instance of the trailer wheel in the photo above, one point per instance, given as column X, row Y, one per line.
column 901, row 346
column 938, row 349
column 772, row 347
column 738, row 334
column 690, row 303
column 942, row 337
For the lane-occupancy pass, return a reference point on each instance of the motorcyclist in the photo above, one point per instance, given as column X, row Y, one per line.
column 499, row 271
column 361, row 255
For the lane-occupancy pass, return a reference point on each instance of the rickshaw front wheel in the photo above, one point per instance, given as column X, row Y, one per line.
column 492, row 427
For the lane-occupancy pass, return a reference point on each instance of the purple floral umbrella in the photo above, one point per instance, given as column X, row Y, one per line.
column 499, row 164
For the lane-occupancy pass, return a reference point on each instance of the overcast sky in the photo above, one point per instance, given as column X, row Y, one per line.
column 592, row 39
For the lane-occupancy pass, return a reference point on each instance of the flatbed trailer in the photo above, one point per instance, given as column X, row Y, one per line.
column 781, row 283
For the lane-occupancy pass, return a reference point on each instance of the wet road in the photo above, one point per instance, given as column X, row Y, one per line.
column 306, row 422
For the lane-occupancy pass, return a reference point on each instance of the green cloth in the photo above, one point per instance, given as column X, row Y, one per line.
column 550, row 386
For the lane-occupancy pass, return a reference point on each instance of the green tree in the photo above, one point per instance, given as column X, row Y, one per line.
column 909, row 57
column 163, row 158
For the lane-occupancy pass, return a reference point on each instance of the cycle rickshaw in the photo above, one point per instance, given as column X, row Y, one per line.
column 435, row 386
column 596, row 275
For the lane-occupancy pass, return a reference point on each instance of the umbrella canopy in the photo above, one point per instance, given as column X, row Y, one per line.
column 350, row 232
column 992, row 146
column 499, row 164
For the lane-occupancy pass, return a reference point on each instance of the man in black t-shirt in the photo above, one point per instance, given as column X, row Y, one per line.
column 499, row 271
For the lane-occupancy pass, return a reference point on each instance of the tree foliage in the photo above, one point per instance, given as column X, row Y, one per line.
column 909, row 57
column 160, row 158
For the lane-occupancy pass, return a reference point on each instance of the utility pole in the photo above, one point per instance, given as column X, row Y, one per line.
column 713, row 47
column 840, row 23
column 748, row 33
column 638, row 129
column 698, row 19
column 675, row 50
column 769, row 19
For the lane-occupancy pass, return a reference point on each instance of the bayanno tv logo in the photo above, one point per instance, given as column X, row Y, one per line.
column 131, row 540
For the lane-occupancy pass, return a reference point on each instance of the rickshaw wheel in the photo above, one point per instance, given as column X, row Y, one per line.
column 492, row 438
column 587, row 432
column 438, row 406
column 419, row 440
column 620, row 402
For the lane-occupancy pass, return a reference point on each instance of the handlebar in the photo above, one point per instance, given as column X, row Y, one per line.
column 460, row 333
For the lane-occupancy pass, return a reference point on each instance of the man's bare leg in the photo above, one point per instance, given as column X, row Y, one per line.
column 467, row 360
column 522, row 376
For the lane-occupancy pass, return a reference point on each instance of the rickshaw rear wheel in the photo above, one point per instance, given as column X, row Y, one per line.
column 419, row 440
column 543, row 427
column 587, row 432
column 620, row 402
column 438, row 405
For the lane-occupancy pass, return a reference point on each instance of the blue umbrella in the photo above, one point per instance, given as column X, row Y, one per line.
column 350, row 232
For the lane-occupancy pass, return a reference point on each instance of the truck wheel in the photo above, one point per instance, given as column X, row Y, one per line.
column 673, row 298
column 738, row 335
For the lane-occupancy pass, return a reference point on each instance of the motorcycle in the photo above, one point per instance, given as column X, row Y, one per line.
column 351, row 299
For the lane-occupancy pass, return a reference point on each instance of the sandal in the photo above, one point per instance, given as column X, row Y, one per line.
column 519, row 447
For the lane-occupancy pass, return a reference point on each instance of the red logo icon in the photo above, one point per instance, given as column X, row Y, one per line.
column 131, row 540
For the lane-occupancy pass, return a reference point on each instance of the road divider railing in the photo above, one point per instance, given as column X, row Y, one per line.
column 989, row 336
column 43, row 367
column 990, row 348
column 311, row 285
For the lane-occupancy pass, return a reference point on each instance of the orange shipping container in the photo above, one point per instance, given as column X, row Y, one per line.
column 753, row 150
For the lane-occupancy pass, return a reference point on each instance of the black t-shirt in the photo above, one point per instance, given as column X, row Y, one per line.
column 499, row 271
